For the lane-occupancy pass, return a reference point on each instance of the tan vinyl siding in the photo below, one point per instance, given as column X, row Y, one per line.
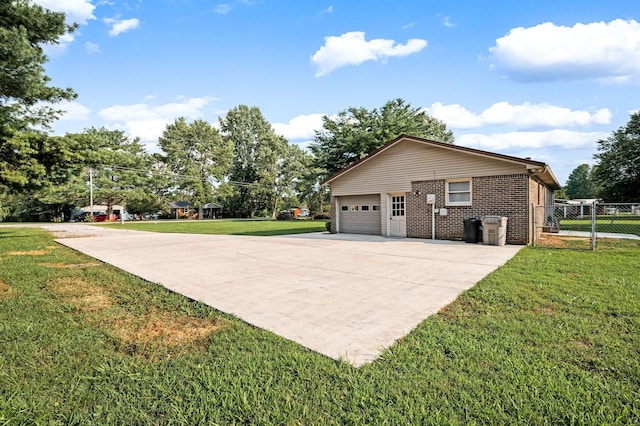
column 384, row 214
column 395, row 168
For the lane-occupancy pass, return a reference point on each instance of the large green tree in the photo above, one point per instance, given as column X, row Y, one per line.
column 119, row 165
column 618, row 170
column 160, row 186
column 40, row 167
column 290, row 184
column 198, row 156
column 258, row 159
column 25, row 95
column 356, row 132
column 26, row 98
column 580, row 183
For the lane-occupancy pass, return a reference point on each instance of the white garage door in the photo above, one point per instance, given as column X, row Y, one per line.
column 360, row 214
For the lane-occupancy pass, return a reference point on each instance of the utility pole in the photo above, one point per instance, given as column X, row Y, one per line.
column 91, row 191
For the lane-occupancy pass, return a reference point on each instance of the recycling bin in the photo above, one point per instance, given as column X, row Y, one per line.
column 494, row 230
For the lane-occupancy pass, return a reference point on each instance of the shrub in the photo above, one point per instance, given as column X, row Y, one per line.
column 328, row 225
column 285, row 215
column 321, row 216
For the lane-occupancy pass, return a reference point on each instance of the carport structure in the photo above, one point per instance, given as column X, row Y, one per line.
column 345, row 296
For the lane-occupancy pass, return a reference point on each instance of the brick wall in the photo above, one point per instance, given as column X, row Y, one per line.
column 493, row 195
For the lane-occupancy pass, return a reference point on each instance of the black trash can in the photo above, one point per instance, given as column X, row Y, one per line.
column 472, row 232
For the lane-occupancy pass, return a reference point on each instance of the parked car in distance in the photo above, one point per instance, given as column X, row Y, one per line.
column 102, row 217
column 82, row 217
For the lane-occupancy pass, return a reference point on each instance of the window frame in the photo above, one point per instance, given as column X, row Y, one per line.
column 448, row 202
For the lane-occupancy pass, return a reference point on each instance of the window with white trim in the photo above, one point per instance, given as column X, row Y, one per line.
column 458, row 192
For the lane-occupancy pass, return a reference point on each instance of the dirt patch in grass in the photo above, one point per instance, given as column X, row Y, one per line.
column 460, row 308
column 83, row 295
column 70, row 265
column 29, row 253
column 140, row 333
column 6, row 291
column 164, row 328
column 544, row 311
column 557, row 241
column 579, row 344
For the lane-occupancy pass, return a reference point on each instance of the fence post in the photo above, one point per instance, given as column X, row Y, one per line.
column 534, row 226
column 594, row 218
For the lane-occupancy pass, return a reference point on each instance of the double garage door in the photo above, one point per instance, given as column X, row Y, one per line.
column 360, row 214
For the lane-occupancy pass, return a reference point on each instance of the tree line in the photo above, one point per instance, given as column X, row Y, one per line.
column 615, row 177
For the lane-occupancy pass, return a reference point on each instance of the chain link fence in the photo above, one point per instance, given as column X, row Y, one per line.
column 579, row 225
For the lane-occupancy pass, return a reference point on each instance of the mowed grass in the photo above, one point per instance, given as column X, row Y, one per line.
column 552, row 337
column 610, row 224
column 228, row 226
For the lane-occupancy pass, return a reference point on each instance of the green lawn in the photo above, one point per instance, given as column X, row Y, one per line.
column 618, row 225
column 552, row 337
column 228, row 226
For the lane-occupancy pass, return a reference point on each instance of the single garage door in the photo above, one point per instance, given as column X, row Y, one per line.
column 360, row 214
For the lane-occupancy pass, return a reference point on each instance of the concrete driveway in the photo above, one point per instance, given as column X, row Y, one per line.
column 346, row 296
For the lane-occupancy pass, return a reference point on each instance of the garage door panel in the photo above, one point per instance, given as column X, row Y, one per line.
column 355, row 219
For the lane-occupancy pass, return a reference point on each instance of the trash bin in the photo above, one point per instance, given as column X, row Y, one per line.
column 494, row 230
column 472, row 232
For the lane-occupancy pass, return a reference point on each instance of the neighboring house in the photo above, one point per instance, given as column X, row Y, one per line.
column 181, row 210
column 411, row 186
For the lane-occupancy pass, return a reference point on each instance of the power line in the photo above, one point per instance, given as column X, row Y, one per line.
column 177, row 175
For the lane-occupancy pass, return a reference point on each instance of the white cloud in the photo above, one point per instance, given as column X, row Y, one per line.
column 454, row 116
column 446, row 20
column 525, row 115
column 352, row 49
column 119, row 26
column 73, row 111
column 302, row 127
column 54, row 50
column 91, row 48
column 327, row 10
column 147, row 121
column 222, row 9
column 80, row 11
column 565, row 139
column 608, row 51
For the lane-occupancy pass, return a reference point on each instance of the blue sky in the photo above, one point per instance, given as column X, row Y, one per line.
column 543, row 79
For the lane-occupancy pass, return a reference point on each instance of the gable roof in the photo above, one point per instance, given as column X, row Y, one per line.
column 537, row 168
column 178, row 204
